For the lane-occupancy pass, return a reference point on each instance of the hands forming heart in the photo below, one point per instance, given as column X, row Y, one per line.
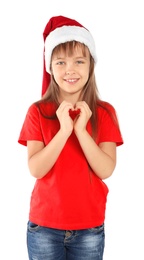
column 79, row 114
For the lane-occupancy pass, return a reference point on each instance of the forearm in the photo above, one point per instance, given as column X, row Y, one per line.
column 43, row 160
column 101, row 163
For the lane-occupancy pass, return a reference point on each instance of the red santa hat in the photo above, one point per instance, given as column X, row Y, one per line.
column 58, row 30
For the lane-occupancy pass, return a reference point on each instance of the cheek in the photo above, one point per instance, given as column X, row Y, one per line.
column 57, row 76
column 86, row 74
column 57, row 72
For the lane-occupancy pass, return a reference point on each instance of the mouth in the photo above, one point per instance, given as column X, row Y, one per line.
column 71, row 80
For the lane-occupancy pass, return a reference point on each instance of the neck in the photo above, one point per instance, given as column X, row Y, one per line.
column 71, row 98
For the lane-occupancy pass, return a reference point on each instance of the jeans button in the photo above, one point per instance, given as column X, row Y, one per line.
column 68, row 233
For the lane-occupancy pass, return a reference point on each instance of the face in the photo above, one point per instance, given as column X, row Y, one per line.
column 71, row 72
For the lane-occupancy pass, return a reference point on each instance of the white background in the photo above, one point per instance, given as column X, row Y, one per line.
column 118, row 28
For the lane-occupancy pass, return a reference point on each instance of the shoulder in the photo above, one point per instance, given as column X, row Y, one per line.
column 104, row 107
column 32, row 108
column 108, row 124
column 42, row 108
column 105, row 104
column 107, row 113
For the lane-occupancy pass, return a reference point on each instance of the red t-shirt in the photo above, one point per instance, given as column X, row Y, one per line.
column 70, row 196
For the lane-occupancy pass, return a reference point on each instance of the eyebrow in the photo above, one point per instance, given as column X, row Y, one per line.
column 77, row 57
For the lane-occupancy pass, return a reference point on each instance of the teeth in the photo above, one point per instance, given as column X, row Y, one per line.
column 71, row 80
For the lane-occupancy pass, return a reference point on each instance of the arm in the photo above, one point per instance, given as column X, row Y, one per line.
column 102, row 157
column 42, row 158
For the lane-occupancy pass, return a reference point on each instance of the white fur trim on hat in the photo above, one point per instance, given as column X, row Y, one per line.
column 65, row 34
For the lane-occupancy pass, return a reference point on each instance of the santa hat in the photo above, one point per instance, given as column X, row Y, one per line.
column 58, row 30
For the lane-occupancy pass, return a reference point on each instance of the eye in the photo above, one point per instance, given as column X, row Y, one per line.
column 60, row 63
column 80, row 61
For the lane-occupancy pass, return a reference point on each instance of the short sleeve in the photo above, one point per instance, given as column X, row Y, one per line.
column 109, row 129
column 31, row 129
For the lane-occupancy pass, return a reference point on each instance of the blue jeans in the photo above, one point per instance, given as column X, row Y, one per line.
column 53, row 244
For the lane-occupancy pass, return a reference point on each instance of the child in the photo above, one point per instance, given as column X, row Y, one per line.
column 71, row 137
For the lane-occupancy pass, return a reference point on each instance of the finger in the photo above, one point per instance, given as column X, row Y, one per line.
column 65, row 106
column 83, row 106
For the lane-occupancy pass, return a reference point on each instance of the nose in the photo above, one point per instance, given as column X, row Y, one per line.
column 69, row 72
column 70, row 69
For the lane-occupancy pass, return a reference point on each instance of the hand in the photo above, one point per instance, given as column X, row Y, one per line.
column 66, row 123
column 82, row 119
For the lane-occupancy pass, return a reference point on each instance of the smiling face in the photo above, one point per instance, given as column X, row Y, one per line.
column 70, row 67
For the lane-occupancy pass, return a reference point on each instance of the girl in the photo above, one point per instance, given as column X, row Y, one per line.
column 71, row 137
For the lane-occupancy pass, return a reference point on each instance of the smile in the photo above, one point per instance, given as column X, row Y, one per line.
column 71, row 80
